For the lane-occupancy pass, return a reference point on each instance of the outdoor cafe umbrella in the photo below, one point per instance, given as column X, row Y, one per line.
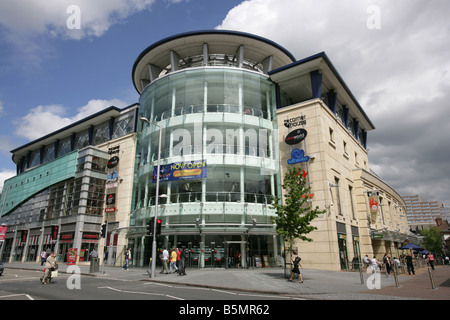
column 411, row 246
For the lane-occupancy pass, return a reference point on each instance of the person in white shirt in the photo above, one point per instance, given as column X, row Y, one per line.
column 366, row 260
column 165, row 258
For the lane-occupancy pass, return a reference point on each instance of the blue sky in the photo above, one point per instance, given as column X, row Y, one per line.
column 394, row 56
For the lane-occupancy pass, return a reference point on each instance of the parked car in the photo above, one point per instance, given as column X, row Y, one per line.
column 1, row 268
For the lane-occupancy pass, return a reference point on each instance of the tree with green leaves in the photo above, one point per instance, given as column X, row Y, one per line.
column 294, row 217
column 432, row 240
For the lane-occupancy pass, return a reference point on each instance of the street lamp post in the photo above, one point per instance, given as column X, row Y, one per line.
column 156, row 197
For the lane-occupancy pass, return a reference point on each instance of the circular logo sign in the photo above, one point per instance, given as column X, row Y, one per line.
column 295, row 136
column 112, row 162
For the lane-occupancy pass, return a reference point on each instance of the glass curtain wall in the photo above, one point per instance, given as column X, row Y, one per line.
column 210, row 92
column 224, row 117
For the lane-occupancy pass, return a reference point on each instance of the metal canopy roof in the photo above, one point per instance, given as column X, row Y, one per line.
column 219, row 42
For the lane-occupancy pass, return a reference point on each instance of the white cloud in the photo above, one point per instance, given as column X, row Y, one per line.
column 400, row 74
column 43, row 120
column 29, row 27
column 51, row 16
column 4, row 175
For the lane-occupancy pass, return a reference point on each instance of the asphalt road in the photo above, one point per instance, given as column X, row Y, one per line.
column 25, row 285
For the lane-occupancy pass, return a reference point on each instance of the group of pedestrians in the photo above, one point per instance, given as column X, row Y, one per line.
column 176, row 260
column 389, row 264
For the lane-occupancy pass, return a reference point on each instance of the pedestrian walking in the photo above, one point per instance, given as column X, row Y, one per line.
column 93, row 254
column 182, row 268
column 165, row 261
column 397, row 262
column 430, row 258
column 43, row 257
column 178, row 259
column 387, row 264
column 366, row 261
column 374, row 264
column 173, row 261
column 410, row 264
column 127, row 259
column 296, row 269
column 50, row 265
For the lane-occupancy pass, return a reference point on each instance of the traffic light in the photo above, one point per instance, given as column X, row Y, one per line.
column 150, row 226
column 158, row 227
column 103, row 231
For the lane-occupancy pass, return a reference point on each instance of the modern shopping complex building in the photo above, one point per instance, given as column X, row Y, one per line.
column 224, row 114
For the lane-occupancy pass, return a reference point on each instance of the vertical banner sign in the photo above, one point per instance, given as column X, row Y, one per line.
column 55, row 232
column 72, row 256
column 374, row 201
column 24, row 236
column 2, row 233
column 112, row 178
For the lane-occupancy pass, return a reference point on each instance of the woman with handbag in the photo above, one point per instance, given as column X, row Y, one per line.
column 50, row 265
column 296, row 269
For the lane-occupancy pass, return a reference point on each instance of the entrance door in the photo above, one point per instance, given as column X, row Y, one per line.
column 235, row 253
column 343, row 258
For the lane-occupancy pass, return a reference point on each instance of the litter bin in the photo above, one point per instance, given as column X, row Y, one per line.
column 94, row 265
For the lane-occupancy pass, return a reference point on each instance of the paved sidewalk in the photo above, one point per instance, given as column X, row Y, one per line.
column 318, row 284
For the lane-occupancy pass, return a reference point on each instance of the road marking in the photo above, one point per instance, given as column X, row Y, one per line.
column 17, row 295
column 20, row 279
column 224, row 291
column 160, row 284
column 262, row 295
column 145, row 293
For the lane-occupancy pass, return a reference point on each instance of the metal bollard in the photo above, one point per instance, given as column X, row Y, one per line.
column 433, row 285
column 395, row 275
column 360, row 273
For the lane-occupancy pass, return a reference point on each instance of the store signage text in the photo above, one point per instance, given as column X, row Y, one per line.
column 296, row 136
column 112, row 162
column 66, row 237
column 91, row 236
column 114, row 150
column 181, row 171
column 295, row 122
column 297, row 156
column 112, row 176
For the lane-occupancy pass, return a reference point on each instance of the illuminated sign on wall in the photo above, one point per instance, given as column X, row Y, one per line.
column 295, row 122
column 54, row 234
column 112, row 162
column 181, row 171
column 296, row 136
column 297, row 156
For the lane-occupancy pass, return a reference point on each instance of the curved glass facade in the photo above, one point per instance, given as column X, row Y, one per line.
column 218, row 158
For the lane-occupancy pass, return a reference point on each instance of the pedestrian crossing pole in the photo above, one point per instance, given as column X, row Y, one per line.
column 106, row 245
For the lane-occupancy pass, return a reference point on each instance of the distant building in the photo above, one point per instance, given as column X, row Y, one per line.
column 421, row 213
column 68, row 184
